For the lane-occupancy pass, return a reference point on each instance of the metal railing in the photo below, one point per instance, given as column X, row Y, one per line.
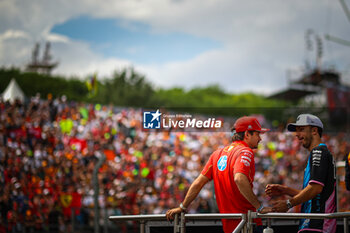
column 179, row 226
column 343, row 215
column 245, row 225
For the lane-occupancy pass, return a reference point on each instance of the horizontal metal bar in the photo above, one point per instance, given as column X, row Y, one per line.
column 154, row 217
column 138, row 217
column 213, row 216
column 302, row 215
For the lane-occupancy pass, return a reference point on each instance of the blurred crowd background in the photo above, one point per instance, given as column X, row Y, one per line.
column 49, row 148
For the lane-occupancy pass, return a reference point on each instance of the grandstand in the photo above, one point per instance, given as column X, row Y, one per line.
column 49, row 149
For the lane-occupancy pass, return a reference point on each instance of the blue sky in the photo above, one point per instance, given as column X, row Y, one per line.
column 243, row 46
column 134, row 41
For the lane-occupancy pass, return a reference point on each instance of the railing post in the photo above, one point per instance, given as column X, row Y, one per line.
column 269, row 222
column 346, row 226
column 243, row 222
column 250, row 222
column 96, row 188
column 245, row 228
column 105, row 228
column 182, row 223
column 176, row 224
column 142, row 226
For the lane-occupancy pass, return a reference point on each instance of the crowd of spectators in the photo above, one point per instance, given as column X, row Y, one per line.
column 50, row 147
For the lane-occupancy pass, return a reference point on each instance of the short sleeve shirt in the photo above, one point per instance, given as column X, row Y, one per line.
column 320, row 170
column 221, row 167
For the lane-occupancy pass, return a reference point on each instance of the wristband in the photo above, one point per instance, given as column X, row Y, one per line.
column 289, row 205
column 182, row 207
column 260, row 208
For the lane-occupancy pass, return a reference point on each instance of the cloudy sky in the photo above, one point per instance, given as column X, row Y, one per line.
column 240, row 45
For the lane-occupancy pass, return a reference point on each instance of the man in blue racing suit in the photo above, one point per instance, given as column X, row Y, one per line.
column 318, row 193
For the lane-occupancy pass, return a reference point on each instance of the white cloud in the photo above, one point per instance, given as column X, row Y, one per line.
column 229, row 68
column 53, row 37
column 76, row 59
column 13, row 34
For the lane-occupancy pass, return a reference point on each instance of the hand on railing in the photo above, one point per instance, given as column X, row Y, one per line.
column 266, row 210
column 280, row 206
column 172, row 212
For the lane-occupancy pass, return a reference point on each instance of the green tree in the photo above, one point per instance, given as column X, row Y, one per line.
column 128, row 88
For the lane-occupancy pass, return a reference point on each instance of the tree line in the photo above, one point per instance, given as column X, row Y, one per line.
column 128, row 88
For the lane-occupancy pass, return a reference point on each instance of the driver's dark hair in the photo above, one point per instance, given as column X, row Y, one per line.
column 320, row 131
column 240, row 136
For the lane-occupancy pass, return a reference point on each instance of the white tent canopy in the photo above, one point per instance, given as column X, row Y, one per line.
column 13, row 92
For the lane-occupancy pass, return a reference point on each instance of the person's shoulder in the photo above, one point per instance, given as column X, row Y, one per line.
column 217, row 151
column 240, row 148
column 318, row 149
column 247, row 151
column 321, row 149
